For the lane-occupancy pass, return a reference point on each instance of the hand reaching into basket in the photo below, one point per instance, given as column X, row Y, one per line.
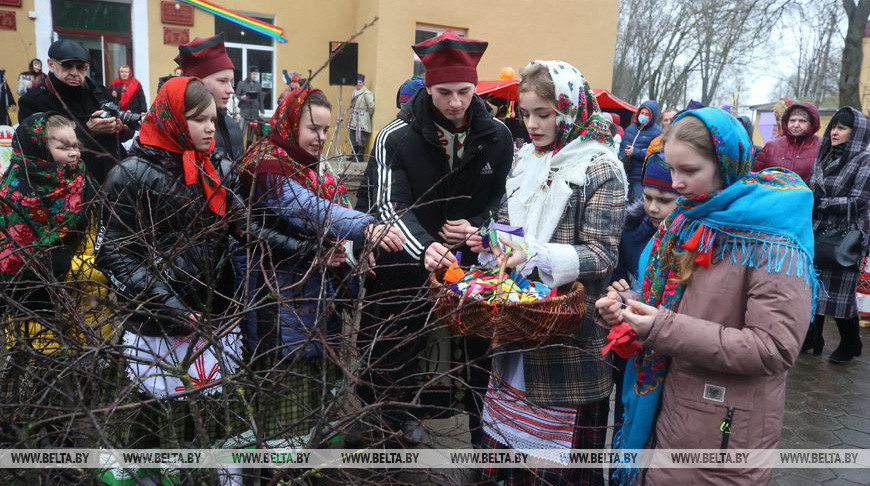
column 513, row 256
column 475, row 240
column 437, row 256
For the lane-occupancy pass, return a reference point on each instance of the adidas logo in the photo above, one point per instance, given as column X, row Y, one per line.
column 487, row 169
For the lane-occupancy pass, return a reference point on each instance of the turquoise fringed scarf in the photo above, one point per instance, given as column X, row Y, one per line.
column 765, row 217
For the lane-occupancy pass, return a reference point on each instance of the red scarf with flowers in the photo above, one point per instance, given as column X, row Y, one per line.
column 165, row 126
column 41, row 200
column 279, row 155
column 128, row 88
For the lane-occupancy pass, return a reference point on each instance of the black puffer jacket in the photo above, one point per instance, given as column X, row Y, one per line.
column 164, row 251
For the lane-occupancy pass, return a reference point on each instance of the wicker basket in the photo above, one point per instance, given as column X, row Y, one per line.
column 509, row 322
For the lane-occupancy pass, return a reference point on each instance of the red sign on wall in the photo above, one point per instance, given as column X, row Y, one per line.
column 11, row 3
column 7, row 20
column 176, row 13
column 175, row 37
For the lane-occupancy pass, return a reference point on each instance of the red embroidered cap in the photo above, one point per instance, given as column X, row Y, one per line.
column 450, row 58
column 202, row 57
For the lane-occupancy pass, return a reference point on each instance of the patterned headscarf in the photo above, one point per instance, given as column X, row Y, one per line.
column 165, row 126
column 41, row 200
column 579, row 115
column 279, row 155
column 734, row 157
column 128, row 86
column 781, row 237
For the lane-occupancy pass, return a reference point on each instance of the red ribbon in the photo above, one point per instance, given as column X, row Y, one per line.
column 623, row 340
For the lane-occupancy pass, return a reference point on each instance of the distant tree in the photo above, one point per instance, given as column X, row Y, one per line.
column 729, row 34
column 857, row 13
column 655, row 53
column 665, row 46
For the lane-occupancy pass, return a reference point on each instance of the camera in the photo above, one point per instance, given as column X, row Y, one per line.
column 110, row 110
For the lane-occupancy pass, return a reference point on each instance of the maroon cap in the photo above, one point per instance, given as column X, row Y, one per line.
column 450, row 58
column 202, row 57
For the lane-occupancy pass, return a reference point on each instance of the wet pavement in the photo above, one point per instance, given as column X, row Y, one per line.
column 827, row 407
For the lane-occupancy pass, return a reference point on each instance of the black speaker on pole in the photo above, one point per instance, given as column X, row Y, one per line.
column 343, row 66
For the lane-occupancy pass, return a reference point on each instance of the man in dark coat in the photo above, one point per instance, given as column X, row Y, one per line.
column 68, row 90
column 250, row 100
column 207, row 59
column 437, row 172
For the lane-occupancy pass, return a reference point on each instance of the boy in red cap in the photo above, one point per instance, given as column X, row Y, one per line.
column 207, row 59
column 437, row 172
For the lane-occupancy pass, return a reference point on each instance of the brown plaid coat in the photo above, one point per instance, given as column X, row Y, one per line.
column 572, row 372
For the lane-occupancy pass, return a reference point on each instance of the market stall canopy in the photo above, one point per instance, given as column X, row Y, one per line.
column 608, row 101
column 500, row 88
column 256, row 25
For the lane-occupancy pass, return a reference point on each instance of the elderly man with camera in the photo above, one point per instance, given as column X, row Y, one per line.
column 69, row 91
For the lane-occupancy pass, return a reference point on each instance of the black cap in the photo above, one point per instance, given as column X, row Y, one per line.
column 67, row 50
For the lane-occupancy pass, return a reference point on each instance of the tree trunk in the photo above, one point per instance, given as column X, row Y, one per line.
column 853, row 53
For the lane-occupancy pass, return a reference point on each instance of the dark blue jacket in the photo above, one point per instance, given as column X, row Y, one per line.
column 636, row 233
column 643, row 135
column 306, row 310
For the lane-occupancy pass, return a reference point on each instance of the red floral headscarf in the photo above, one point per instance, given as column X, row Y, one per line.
column 280, row 155
column 41, row 200
column 165, row 126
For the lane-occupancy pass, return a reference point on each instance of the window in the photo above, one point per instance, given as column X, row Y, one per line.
column 425, row 31
column 103, row 28
column 91, row 15
column 247, row 48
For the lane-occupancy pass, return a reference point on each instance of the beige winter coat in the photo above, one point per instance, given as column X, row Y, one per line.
column 736, row 333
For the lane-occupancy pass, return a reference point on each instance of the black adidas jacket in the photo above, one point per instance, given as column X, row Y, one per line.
column 408, row 178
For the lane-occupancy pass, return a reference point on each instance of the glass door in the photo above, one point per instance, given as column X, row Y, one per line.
column 116, row 55
column 263, row 61
column 103, row 27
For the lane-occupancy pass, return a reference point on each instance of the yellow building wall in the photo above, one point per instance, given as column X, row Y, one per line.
column 518, row 31
column 308, row 41
column 864, row 81
column 18, row 48
column 385, row 55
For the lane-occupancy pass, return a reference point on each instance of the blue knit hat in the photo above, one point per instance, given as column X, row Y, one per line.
column 408, row 89
column 656, row 173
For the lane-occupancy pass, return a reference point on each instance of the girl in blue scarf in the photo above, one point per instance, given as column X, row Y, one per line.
column 726, row 297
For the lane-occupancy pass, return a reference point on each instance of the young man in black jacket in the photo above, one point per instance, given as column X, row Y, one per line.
column 437, row 172
column 207, row 59
column 68, row 90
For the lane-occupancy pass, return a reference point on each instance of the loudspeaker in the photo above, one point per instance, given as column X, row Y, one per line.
column 343, row 67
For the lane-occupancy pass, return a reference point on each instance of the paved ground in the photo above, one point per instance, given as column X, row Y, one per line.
column 827, row 406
